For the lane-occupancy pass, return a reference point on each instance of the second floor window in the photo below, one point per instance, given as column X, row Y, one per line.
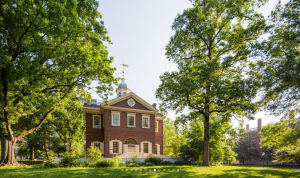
column 156, row 126
column 145, row 122
column 96, row 123
column 131, row 121
column 116, row 119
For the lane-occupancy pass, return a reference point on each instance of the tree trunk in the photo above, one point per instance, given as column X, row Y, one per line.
column 243, row 162
column 31, row 156
column 7, row 149
column 297, row 165
column 206, row 142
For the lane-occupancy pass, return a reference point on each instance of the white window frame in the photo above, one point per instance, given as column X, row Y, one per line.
column 156, row 128
column 118, row 147
column 146, row 116
column 99, row 121
column 112, row 119
column 132, row 115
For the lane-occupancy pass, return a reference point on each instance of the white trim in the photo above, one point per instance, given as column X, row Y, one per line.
column 157, row 149
column 101, row 148
column 149, row 147
column 156, row 128
column 99, row 121
column 130, row 114
column 127, row 96
column 115, row 113
column 146, row 116
column 111, row 147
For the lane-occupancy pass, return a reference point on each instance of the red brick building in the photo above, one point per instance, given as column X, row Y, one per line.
column 126, row 125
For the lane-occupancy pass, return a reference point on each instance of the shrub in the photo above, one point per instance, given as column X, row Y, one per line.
column 117, row 160
column 67, row 160
column 132, row 162
column 93, row 154
column 178, row 162
column 105, row 163
column 154, row 160
column 167, row 163
column 149, row 164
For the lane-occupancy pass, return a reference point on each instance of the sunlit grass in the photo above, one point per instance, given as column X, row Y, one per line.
column 153, row 171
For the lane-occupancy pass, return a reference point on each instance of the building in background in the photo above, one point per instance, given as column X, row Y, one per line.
column 126, row 125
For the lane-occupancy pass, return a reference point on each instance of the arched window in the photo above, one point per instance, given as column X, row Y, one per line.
column 119, row 94
column 124, row 93
column 131, row 141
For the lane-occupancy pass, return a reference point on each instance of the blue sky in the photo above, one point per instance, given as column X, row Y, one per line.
column 140, row 30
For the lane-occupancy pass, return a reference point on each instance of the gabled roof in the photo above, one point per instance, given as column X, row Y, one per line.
column 152, row 110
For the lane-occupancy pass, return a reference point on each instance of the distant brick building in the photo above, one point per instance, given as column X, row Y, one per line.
column 253, row 133
column 126, row 125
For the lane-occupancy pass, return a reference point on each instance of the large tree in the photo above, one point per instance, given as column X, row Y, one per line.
column 284, row 139
column 48, row 49
column 279, row 66
column 68, row 121
column 245, row 149
column 211, row 47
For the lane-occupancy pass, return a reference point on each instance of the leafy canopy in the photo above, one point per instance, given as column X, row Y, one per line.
column 279, row 66
column 49, row 49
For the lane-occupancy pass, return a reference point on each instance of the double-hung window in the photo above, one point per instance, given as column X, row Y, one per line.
column 146, row 148
column 156, row 126
column 96, row 121
column 115, row 118
column 145, row 121
column 115, row 147
column 130, row 119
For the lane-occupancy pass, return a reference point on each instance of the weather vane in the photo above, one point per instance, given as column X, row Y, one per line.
column 124, row 65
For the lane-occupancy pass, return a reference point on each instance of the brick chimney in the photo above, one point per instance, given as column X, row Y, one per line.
column 259, row 124
column 247, row 126
column 154, row 105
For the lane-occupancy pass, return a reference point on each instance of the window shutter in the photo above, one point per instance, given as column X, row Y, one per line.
column 120, row 147
column 150, row 147
column 102, row 147
column 158, row 149
column 110, row 147
column 142, row 147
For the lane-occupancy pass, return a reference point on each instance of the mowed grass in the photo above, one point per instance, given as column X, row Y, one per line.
column 154, row 171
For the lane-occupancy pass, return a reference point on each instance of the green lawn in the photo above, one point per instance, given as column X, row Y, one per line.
column 154, row 171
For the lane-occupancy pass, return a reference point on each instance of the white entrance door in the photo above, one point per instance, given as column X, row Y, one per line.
column 131, row 148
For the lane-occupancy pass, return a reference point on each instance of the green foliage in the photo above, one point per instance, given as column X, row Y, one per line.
column 211, row 47
column 171, row 139
column 68, row 121
column 178, row 163
column 284, row 139
column 268, row 155
column 167, row 163
column 132, row 162
column 93, row 154
column 152, row 159
column 106, row 163
column 288, row 155
column 246, row 149
column 49, row 51
column 67, row 160
column 279, row 66
column 117, row 160
column 49, row 156
column 78, row 148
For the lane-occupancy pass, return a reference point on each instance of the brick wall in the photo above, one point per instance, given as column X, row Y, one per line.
column 91, row 133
